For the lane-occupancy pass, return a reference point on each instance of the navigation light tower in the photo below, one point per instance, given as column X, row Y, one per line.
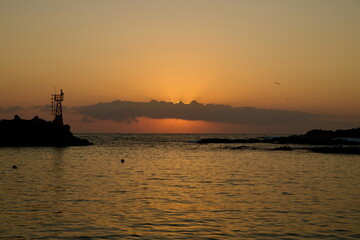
column 56, row 107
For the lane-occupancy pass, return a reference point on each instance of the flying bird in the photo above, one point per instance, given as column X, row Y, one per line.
column 277, row 83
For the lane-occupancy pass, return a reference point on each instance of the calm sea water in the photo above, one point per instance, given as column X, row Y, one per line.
column 171, row 188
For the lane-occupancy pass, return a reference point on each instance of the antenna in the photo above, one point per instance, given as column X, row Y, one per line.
column 56, row 107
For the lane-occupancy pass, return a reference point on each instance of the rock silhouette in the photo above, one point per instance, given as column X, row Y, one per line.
column 313, row 137
column 37, row 132
column 327, row 141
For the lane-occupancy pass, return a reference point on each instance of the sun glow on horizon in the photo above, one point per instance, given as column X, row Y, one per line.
column 149, row 125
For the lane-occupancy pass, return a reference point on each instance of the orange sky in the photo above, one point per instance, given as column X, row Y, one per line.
column 222, row 52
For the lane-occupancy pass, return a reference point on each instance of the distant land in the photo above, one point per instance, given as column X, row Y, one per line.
column 37, row 132
column 327, row 141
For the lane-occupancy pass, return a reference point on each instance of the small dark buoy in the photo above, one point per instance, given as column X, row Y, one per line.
column 14, row 167
column 122, row 160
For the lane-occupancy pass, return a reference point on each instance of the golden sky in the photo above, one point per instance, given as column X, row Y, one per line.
column 215, row 52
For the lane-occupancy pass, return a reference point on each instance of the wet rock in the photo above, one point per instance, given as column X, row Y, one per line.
column 226, row 140
column 284, row 148
column 313, row 137
column 336, row 150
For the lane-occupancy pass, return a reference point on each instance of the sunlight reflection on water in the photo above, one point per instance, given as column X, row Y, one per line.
column 170, row 189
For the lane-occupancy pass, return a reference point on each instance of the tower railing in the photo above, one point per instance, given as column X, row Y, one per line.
column 56, row 107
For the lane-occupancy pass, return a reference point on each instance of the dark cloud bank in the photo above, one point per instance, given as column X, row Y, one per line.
column 126, row 111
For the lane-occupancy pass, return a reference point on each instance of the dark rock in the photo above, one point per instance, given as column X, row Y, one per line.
column 238, row 148
column 225, row 140
column 37, row 132
column 284, row 148
column 313, row 137
column 328, row 134
column 336, row 150
column 14, row 167
column 321, row 137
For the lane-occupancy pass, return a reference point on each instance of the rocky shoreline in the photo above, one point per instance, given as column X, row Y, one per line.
column 37, row 132
column 326, row 149
column 327, row 141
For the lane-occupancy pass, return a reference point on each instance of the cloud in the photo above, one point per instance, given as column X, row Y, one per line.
column 13, row 109
column 126, row 111
column 87, row 119
column 46, row 108
column 43, row 108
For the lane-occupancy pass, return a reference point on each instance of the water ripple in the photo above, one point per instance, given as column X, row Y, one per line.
column 171, row 189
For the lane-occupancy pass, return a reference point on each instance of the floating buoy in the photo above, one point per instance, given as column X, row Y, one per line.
column 14, row 167
column 122, row 160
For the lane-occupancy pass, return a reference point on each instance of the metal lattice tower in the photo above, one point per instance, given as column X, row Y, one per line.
column 56, row 107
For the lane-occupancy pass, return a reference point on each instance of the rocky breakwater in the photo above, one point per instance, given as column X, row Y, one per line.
column 323, row 137
column 326, row 141
column 37, row 132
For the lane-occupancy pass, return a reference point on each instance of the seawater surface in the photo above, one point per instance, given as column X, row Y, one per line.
column 171, row 188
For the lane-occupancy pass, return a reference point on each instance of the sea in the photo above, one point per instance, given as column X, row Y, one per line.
column 170, row 187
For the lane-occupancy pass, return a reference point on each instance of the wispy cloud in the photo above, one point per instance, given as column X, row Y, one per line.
column 45, row 108
column 13, row 109
column 126, row 111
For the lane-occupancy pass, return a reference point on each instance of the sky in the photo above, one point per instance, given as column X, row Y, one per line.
column 199, row 66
